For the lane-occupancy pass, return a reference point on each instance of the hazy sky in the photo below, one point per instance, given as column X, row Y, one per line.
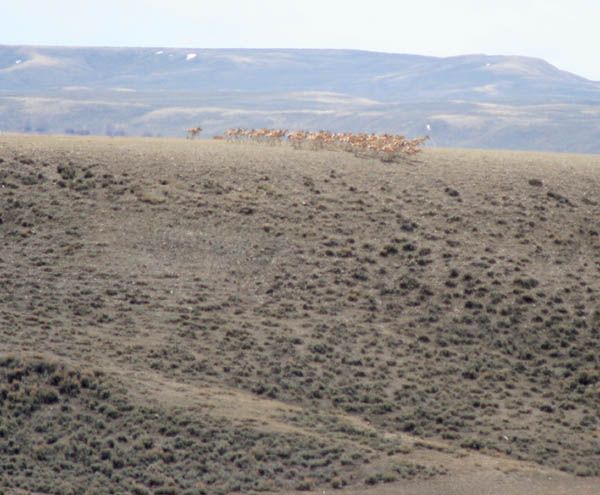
column 563, row 32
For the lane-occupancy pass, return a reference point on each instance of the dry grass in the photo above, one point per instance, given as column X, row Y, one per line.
column 381, row 320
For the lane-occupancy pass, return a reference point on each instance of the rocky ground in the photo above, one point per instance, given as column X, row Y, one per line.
column 206, row 317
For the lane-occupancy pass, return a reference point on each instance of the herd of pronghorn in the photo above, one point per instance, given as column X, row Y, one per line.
column 387, row 147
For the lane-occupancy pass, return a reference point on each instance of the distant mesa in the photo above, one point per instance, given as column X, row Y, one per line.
column 477, row 101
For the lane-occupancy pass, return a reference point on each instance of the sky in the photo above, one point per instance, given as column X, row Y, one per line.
column 563, row 32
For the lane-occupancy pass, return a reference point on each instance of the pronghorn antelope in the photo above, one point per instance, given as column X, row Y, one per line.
column 296, row 138
column 193, row 132
column 387, row 147
column 260, row 135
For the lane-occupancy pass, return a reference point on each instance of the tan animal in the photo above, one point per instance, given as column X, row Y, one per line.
column 193, row 132
column 387, row 147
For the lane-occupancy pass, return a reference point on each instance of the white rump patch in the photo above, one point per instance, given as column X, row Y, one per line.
column 18, row 61
column 159, row 52
column 191, row 56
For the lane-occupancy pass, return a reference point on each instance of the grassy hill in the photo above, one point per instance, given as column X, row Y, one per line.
column 210, row 317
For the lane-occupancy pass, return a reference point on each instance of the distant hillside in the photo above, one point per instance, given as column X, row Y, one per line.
column 468, row 101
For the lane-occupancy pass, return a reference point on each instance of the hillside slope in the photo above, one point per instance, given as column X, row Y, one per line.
column 207, row 317
column 471, row 100
column 386, row 76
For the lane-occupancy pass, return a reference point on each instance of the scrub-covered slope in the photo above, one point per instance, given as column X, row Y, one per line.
column 211, row 317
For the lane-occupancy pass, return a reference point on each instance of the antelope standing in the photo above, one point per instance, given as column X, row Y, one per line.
column 193, row 132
